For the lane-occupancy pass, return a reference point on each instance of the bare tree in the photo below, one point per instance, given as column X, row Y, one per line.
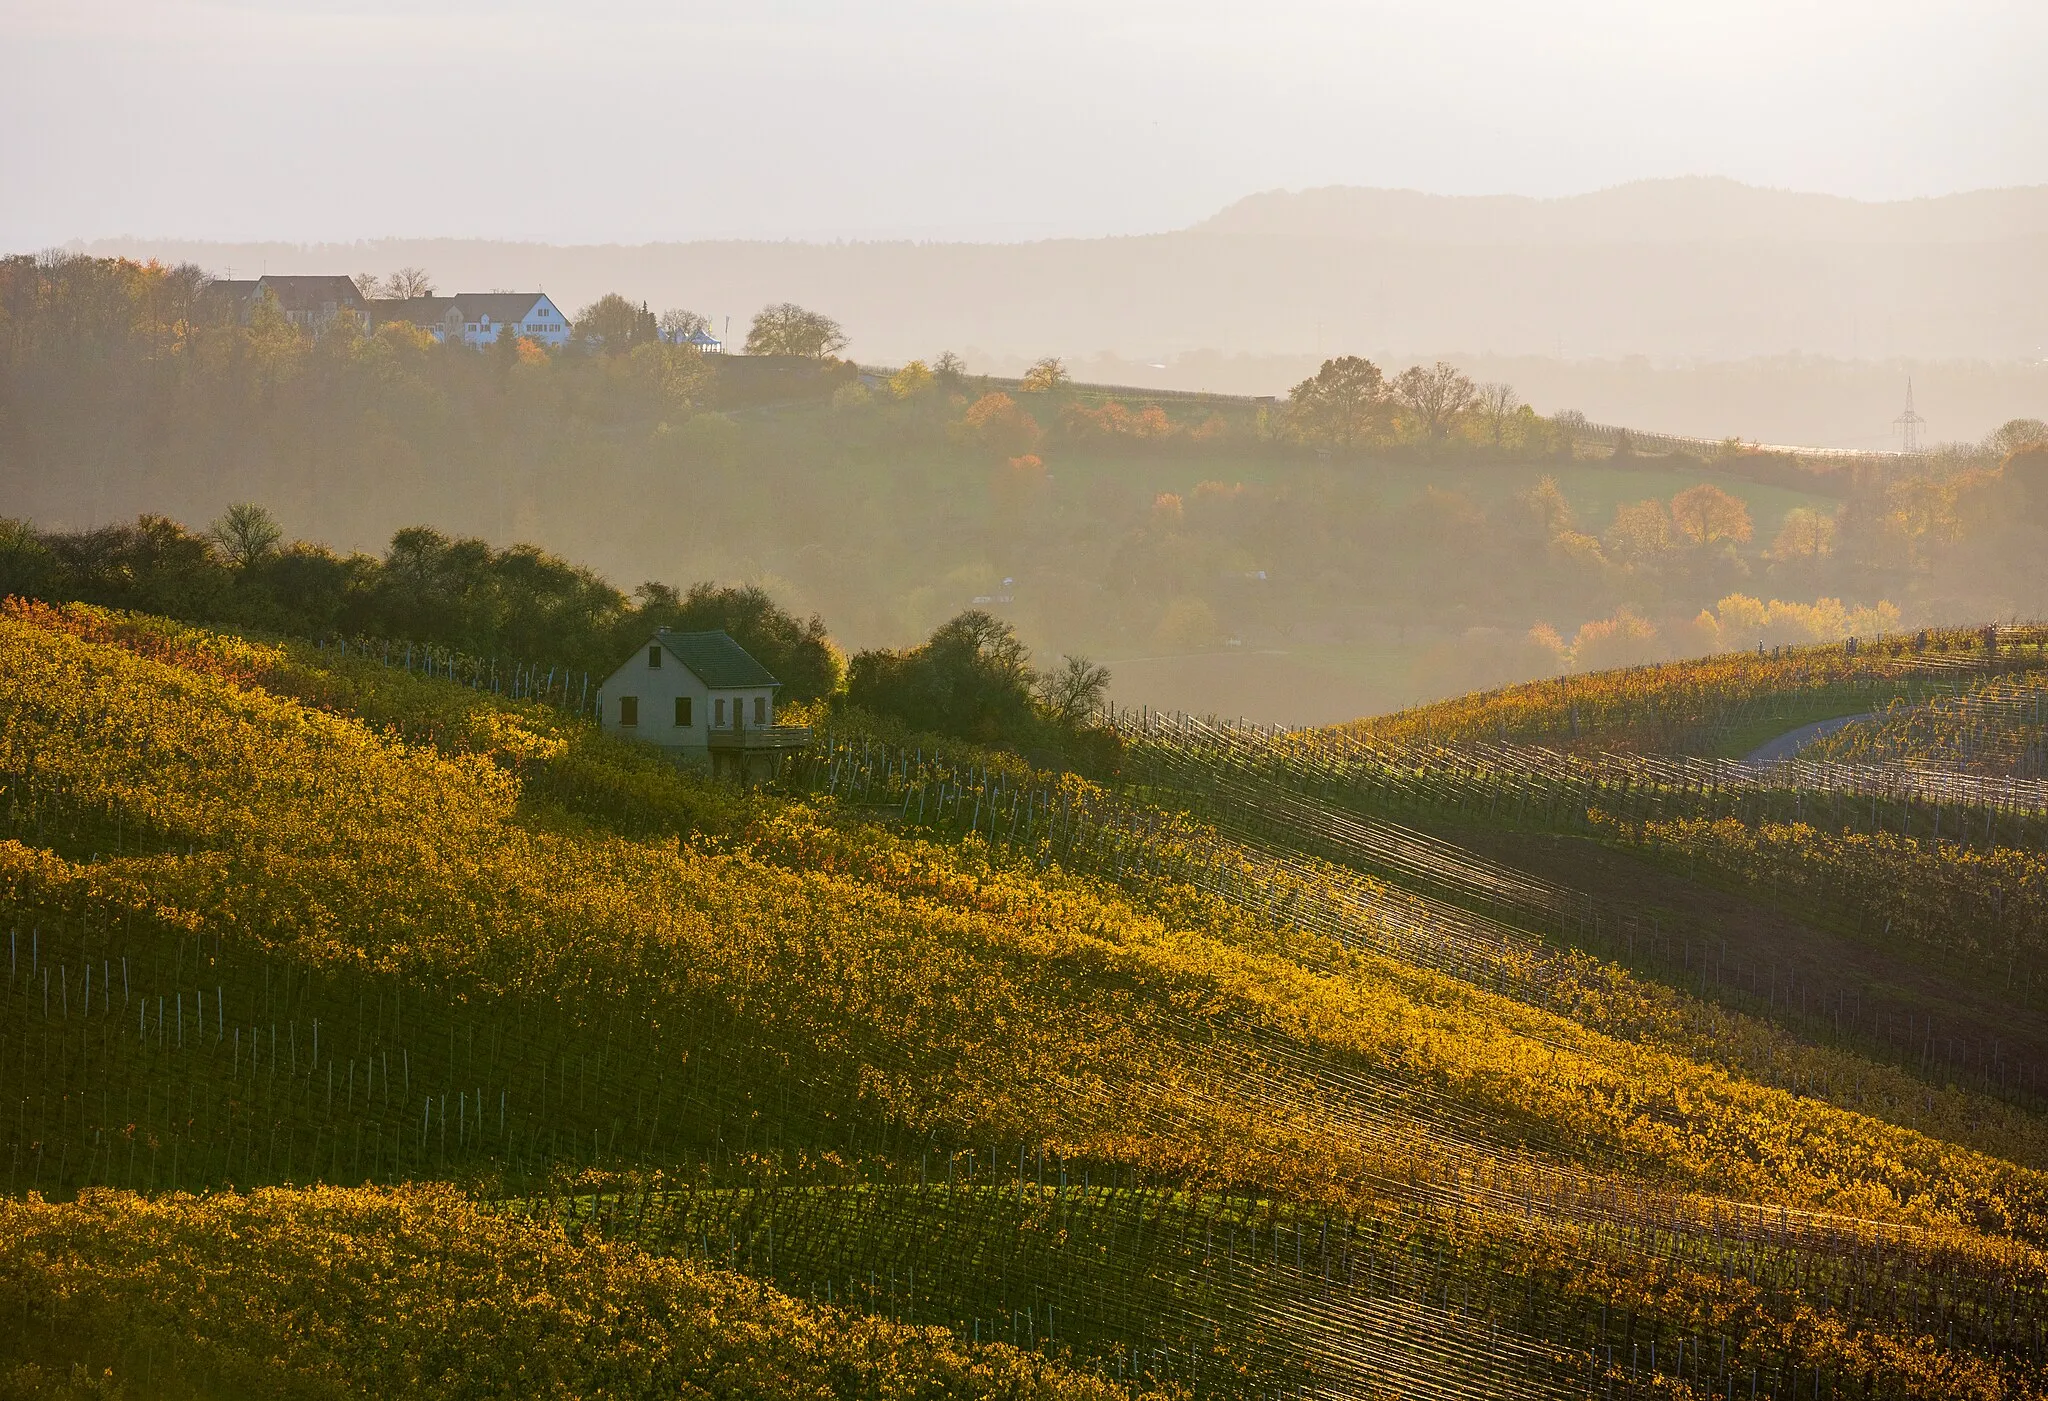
column 949, row 369
column 409, row 282
column 245, row 533
column 369, row 284
column 1497, row 404
column 679, row 325
column 1073, row 692
column 1436, row 396
column 1045, row 376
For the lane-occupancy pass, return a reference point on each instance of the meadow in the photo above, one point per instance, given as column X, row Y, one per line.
column 366, row 1030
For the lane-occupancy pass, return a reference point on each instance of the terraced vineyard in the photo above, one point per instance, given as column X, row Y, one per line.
column 460, row 1051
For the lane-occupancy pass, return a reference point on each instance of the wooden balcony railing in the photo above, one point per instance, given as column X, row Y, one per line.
column 760, row 737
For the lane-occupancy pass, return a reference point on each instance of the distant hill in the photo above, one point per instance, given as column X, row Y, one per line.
column 1705, row 270
column 1695, row 210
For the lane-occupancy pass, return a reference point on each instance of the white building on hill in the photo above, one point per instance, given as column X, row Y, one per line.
column 704, row 342
column 479, row 318
column 703, row 698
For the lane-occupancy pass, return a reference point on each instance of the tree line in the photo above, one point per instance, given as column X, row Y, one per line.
column 519, row 602
column 973, row 679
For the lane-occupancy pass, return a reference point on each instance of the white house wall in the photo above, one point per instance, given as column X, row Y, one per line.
column 542, row 323
column 658, row 688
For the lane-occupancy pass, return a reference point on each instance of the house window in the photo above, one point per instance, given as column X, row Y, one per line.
column 760, row 710
column 683, row 711
column 654, row 656
column 629, row 710
column 718, row 712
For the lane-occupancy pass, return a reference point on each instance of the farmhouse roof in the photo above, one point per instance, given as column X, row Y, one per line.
column 420, row 311
column 501, row 307
column 311, row 293
column 717, row 660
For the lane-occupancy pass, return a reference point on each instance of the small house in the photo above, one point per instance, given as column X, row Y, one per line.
column 703, row 698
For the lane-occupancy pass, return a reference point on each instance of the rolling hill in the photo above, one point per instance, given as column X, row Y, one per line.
column 367, row 1031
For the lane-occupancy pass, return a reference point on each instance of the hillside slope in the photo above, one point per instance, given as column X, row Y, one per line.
column 990, row 1052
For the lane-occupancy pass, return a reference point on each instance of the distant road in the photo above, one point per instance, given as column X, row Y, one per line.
column 1790, row 743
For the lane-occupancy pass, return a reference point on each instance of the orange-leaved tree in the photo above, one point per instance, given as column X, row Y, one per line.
column 999, row 424
column 1707, row 515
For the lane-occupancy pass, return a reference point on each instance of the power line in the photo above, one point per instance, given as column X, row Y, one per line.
column 1909, row 423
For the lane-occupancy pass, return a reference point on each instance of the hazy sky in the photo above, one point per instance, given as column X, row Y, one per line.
column 637, row 120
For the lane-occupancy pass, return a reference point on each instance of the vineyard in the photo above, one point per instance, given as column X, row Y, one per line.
column 370, row 1028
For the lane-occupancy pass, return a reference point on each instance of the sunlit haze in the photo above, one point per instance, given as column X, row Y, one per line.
column 665, row 121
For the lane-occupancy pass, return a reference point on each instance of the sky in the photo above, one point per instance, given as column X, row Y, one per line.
column 598, row 121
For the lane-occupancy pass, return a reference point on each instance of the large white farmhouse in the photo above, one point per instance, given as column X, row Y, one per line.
column 702, row 697
column 479, row 318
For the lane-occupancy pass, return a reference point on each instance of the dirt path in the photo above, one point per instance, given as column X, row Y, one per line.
column 1791, row 742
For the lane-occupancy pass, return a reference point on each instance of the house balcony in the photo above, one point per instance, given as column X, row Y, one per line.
column 758, row 739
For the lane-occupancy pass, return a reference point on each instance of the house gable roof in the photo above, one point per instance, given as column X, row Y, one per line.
column 420, row 311
column 715, row 659
column 311, row 293
column 503, row 308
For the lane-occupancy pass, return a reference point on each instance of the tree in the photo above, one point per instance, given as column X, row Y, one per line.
column 1640, row 534
column 1706, row 515
column 1546, row 508
column 972, row 679
column 1436, row 396
column 26, row 567
column 1340, row 403
column 409, row 282
column 1045, row 376
column 152, row 566
column 370, row 285
column 1806, row 537
column 1625, row 639
column 1000, row 424
column 676, row 374
column 797, row 651
column 679, row 325
column 787, row 329
column 614, row 325
column 245, row 533
column 1017, row 486
column 2015, row 433
column 1498, row 405
column 1072, row 693
column 2025, row 472
column 949, row 369
column 1567, row 426
column 910, row 381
